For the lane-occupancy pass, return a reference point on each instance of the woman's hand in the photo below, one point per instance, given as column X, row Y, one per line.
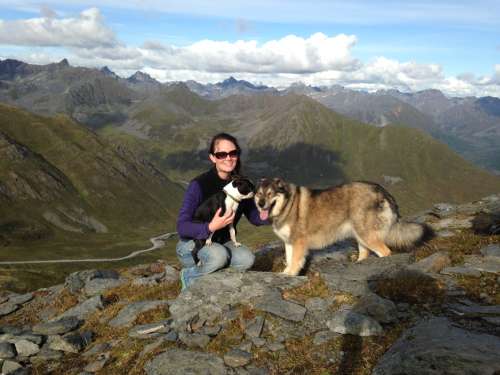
column 219, row 222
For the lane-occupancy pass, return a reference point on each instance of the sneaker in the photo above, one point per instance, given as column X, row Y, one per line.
column 183, row 280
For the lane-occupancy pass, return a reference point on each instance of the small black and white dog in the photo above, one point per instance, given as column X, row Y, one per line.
column 228, row 198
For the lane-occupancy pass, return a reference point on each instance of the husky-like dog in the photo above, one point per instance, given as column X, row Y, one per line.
column 228, row 198
column 313, row 219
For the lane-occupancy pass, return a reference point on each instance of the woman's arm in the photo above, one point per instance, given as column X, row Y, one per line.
column 251, row 212
column 186, row 227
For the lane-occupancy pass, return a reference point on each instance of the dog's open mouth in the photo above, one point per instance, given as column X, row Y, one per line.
column 264, row 214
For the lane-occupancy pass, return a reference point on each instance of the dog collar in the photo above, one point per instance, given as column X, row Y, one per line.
column 233, row 198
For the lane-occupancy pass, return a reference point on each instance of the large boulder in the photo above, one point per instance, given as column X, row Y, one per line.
column 182, row 362
column 436, row 346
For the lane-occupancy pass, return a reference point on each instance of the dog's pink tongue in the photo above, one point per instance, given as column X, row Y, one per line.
column 264, row 215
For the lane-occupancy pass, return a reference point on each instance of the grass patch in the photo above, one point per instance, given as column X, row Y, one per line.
column 342, row 299
column 463, row 243
column 363, row 353
column 233, row 332
column 412, row 287
column 131, row 293
column 315, row 286
column 476, row 286
column 272, row 261
column 152, row 316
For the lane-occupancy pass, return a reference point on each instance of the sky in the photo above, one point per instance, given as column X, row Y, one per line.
column 412, row 45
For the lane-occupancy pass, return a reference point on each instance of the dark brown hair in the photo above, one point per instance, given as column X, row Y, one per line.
column 227, row 137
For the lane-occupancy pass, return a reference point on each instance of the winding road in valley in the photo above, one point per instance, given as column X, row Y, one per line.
column 157, row 242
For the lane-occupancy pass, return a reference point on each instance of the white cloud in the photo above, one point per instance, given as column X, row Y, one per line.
column 88, row 30
column 290, row 54
column 317, row 60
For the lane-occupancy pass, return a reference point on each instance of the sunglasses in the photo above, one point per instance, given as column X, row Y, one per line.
column 233, row 154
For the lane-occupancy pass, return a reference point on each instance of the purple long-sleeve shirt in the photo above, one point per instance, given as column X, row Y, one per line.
column 188, row 229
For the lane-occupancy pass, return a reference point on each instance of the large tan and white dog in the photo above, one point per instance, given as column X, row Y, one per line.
column 313, row 219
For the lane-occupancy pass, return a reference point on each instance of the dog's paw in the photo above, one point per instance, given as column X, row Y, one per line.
column 208, row 243
column 360, row 259
column 286, row 271
column 237, row 244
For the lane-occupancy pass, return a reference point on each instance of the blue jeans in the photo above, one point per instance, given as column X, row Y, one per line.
column 212, row 258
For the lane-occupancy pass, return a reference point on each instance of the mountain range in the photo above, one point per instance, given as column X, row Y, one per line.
column 85, row 151
column 99, row 97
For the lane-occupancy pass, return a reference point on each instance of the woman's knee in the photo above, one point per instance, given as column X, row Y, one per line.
column 213, row 257
column 242, row 258
column 183, row 250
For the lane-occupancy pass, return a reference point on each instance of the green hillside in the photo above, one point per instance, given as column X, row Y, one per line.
column 61, row 183
column 299, row 139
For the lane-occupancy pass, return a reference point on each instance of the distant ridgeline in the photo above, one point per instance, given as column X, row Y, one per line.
column 109, row 165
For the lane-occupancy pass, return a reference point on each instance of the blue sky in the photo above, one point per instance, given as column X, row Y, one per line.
column 450, row 45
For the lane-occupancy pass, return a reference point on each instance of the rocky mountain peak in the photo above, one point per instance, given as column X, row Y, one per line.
column 232, row 82
column 63, row 62
column 108, row 72
column 141, row 77
column 9, row 68
column 490, row 105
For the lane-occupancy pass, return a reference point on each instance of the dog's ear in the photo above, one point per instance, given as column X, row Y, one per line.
column 281, row 186
column 263, row 182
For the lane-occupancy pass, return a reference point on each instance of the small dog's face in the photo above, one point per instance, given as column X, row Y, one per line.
column 270, row 197
column 244, row 187
column 240, row 187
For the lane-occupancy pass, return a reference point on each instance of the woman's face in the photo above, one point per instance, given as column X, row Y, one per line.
column 228, row 163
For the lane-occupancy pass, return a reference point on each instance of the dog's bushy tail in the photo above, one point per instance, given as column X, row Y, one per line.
column 406, row 235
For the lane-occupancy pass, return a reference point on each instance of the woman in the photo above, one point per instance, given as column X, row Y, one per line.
column 225, row 154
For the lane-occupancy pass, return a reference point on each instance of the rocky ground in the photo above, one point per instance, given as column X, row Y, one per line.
column 435, row 310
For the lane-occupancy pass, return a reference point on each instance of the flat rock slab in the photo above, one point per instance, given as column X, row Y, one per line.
column 461, row 271
column 322, row 337
column 19, row 299
column 254, row 327
column 46, row 354
column 380, row 309
column 152, row 330
column 452, row 223
column 474, row 310
column 279, row 307
column 26, row 348
column 353, row 278
column 237, row 358
column 35, row 339
column 72, row 343
column 7, row 350
column 491, row 251
column 436, row 346
column 58, row 327
column 349, row 322
column 99, row 286
column 77, row 280
column 129, row 313
column 185, row 362
column 210, row 295
column 433, row 263
column 84, row 309
column 483, row 264
column 9, row 367
column 8, row 308
column 194, row 340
